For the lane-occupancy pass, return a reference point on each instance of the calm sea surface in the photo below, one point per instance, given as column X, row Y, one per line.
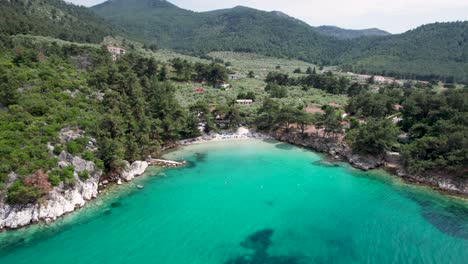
column 253, row 202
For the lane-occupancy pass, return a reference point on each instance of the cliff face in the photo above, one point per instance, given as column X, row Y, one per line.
column 390, row 161
column 60, row 200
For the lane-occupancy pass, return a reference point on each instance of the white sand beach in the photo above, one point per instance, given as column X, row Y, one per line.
column 241, row 133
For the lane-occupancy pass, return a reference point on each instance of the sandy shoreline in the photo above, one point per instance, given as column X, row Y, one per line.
column 242, row 133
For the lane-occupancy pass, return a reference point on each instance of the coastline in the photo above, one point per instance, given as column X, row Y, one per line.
column 389, row 162
column 63, row 202
column 340, row 151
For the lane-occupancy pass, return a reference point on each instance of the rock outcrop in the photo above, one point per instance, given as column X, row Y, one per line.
column 333, row 147
column 444, row 183
column 137, row 168
column 165, row 163
column 390, row 161
column 59, row 201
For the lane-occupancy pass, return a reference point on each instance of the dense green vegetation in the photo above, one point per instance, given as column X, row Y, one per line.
column 433, row 127
column 53, row 18
column 341, row 33
column 237, row 29
column 428, row 126
column 129, row 106
column 437, row 125
column 436, row 51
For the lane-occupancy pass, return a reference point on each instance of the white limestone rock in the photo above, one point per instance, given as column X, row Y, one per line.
column 137, row 168
column 58, row 202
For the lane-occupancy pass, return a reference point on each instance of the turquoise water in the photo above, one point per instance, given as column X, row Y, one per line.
column 253, row 202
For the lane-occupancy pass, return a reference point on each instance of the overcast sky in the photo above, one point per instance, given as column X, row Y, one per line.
column 395, row 16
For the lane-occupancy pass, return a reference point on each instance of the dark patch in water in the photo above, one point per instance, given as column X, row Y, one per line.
column 324, row 163
column 284, row 146
column 269, row 203
column 342, row 247
column 12, row 245
column 107, row 212
column 259, row 242
column 116, row 204
column 190, row 164
column 449, row 219
column 200, row 157
column 268, row 140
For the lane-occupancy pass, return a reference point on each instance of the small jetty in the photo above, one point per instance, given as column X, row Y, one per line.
column 166, row 163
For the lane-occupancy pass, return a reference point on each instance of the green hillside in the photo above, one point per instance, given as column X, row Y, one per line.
column 438, row 50
column 342, row 33
column 237, row 29
column 434, row 51
column 53, row 18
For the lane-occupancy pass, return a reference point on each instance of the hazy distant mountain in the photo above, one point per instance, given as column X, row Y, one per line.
column 439, row 49
column 52, row 18
column 342, row 33
column 239, row 29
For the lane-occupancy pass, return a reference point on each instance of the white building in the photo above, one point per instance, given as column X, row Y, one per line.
column 115, row 52
column 245, row 102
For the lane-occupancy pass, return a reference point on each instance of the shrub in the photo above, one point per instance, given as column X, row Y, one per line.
column 40, row 180
column 99, row 164
column 77, row 146
column 84, row 175
column 88, row 155
column 58, row 149
column 54, row 178
column 19, row 193
column 72, row 147
column 67, row 175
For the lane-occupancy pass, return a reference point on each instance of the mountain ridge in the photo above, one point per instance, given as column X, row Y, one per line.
column 433, row 51
column 54, row 18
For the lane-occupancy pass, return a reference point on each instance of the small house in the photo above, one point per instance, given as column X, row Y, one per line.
column 379, row 79
column 225, row 85
column 245, row 102
column 199, row 90
column 235, row 76
column 115, row 52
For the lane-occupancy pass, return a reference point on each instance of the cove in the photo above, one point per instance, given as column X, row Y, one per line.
column 252, row 201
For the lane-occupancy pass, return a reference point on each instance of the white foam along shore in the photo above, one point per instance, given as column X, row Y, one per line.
column 241, row 133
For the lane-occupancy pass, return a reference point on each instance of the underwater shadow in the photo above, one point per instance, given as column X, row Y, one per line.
column 259, row 242
column 325, row 163
column 284, row 146
column 450, row 219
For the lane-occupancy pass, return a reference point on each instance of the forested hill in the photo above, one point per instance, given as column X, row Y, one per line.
column 434, row 51
column 237, row 29
column 342, row 33
column 53, row 18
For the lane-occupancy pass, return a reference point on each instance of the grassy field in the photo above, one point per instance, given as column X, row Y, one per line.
column 261, row 66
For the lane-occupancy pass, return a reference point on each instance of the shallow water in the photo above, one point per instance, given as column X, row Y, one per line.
column 253, row 202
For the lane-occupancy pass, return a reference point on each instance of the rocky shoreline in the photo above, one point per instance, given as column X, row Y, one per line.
column 62, row 200
column 390, row 162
